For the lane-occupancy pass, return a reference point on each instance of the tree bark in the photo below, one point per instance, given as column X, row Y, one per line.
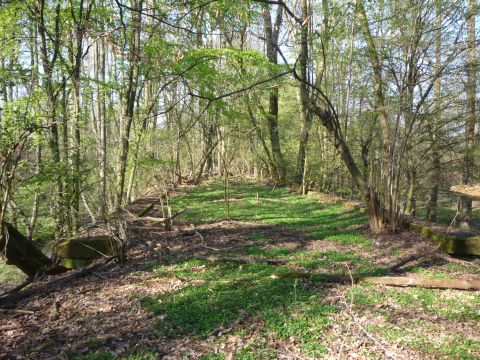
column 303, row 95
column 271, row 34
column 48, row 64
column 21, row 252
column 130, row 100
column 465, row 216
column 411, row 177
column 435, row 129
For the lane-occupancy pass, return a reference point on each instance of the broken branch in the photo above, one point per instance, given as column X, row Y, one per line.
column 158, row 219
column 239, row 260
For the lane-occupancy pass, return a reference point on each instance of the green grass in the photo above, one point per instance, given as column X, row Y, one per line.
column 219, row 300
column 227, row 295
column 276, row 207
column 457, row 307
column 236, row 294
column 419, row 334
column 10, row 274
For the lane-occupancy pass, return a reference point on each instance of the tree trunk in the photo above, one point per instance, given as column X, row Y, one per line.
column 101, row 113
column 21, row 252
column 303, row 95
column 48, row 64
column 411, row 177
column 387, row 179
column 465, row 216
column 77, row 60
column 435, row 129
column 271, row 34
column 130, row 99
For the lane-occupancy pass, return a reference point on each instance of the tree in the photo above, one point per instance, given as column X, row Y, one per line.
column 465, row 216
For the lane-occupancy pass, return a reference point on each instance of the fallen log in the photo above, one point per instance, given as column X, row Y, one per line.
column 239, row 260
column 160, row 220
column 453, row 260
column 403, row 281
column 458, row 284
column 148, row 208
column 22, row 252
column 10, row 299
column 409, row 259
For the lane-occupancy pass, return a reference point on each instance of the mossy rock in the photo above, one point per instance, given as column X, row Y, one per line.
column 468, row 246
column 458, row 245
column 86, row 247
column 75, row 263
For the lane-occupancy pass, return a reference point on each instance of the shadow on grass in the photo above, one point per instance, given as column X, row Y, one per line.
column 277, row 207
column 228, row 298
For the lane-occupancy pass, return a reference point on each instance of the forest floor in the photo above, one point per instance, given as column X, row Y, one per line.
column 160, row 303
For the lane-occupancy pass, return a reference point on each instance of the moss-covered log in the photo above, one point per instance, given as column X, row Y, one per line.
column 92, row 247
column 453, row 243
column 22, row 252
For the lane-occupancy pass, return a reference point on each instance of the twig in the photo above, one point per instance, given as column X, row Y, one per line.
column 451, row 259
column 202, row 243
column 148, row 208
column 410, row 259
column 238, row 260
column 18, row 311
column 103, row 277
column 351, row 313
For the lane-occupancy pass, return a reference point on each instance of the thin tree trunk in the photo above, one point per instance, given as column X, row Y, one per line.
column 303, row 95
column 271, row 34
column 465, row 216
column 435, row 129
column 77, row 60
column 411, row 177
column 48, row 64
column 102, row 120
column 130, row 100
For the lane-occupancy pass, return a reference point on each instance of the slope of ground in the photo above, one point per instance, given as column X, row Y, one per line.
column 161, row 303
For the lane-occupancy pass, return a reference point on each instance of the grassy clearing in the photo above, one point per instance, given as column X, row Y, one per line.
column 232, row 297
column 244, row 312
column 228, row 297
column 277, row 207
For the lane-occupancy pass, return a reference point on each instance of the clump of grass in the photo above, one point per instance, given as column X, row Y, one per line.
column 431, row 301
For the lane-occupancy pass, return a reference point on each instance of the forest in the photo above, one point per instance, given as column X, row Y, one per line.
column 239, row 179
